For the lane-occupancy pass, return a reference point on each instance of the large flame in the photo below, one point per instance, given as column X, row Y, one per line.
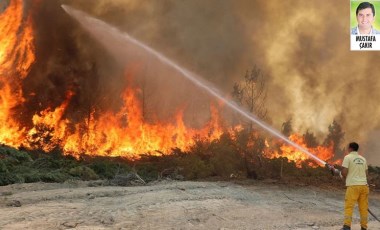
column 49, row 127
column 113, row 134
column 108, row 133
column 126, row 134
column 16, row 58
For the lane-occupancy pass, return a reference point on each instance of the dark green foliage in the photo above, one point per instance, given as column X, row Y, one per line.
column 51, row 162
column 10, row 159
column 84, row 173
column 192, row 167
column 16, row 155
column 3, row 167
column 57, row 176
column 19, row 167
column 148, row 170
column 152, row 167
column 225, row 159
column 275, row 168
column 107, row 169
column 201, row 148
column 211, row 158
column 10, row 178
column 32, row 176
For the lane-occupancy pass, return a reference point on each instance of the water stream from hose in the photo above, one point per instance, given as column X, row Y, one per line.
column 99, row 28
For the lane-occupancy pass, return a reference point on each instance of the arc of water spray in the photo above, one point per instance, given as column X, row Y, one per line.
column 194, row 78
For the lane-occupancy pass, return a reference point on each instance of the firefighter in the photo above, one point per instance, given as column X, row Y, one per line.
column 355, row 171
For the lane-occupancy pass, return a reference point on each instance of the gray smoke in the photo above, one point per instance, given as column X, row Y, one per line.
column 301, row 46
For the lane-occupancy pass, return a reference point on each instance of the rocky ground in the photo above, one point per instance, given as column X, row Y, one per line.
column 174, row 205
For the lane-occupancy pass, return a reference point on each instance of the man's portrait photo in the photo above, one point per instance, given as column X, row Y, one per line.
column 365, row 19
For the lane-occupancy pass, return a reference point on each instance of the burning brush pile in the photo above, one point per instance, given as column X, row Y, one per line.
column 62, row 95
column 52, row 98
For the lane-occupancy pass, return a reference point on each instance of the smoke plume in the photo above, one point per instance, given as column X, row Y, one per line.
column 301, row 46
column 312, row 75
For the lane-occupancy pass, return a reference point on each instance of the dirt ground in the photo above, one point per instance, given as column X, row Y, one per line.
column 174, row 205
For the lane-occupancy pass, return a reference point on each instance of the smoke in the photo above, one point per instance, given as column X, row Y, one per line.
column 371, row 147
column 67, row 60
column 301, row 46
column 308, row 56
column 207, row 37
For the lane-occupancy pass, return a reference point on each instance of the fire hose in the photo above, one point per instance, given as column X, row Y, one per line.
column 335, row 171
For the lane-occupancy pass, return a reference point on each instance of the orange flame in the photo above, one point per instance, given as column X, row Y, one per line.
column 16, row 58
column 123, row 133
column 49, row 127
column 126, row 134
column 293, row 154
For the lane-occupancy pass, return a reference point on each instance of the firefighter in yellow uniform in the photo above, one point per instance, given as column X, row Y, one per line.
column 355, row 170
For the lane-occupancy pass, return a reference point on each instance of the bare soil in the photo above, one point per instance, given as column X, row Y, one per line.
column 175, row 205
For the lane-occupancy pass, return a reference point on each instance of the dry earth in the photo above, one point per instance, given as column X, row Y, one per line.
column 174, row 205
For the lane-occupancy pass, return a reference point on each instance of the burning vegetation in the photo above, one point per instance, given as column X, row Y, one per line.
column 123, row 131
column 54, row 98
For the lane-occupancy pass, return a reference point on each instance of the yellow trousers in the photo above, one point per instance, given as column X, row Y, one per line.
column 359, row 194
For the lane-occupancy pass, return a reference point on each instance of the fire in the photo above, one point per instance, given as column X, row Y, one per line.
column 16, row 58
column 293, row 154
column 126, row 134
column 123, row 132
column 49, row 127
